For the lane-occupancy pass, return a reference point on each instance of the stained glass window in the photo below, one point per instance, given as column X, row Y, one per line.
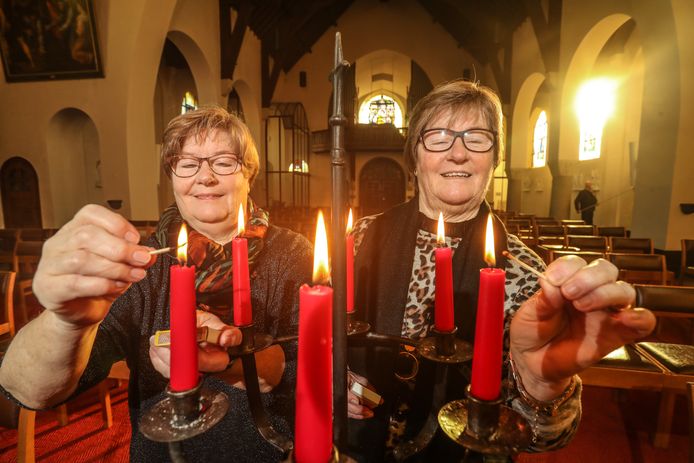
column 540, row 141
column 380, row 109
column 189, row 103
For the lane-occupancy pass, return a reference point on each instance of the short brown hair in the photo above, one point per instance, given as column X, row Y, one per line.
column 199, row 123
column 456, row 95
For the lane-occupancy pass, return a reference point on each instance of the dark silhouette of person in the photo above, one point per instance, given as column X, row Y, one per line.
column 585, row 203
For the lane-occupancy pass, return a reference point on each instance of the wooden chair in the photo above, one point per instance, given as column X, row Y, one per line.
column 640, row 268
column 573, row 222
column 687, row 265
column 550, row 230
column 587, row 243
column 668, row 302
column 619, row 232
column 690, row 405
column 663, row 367
column 585, row 230
column 7, row 294
column 631, row 245
column 8, row 249
column 26, row 261
column 588, row 256
column 33, row 234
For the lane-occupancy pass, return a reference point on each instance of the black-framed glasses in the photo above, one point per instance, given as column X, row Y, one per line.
column 475, row 140
column 221, row 164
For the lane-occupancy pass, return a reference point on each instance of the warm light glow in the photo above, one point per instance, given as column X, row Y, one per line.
column 489, row 257
column 183, row 245
column 595, row 103
column 350, row 221
column 440, row 233
column 241, row 224
column 321, row 274
column 595, row 100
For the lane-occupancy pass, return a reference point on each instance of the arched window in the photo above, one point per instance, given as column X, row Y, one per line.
column 540, row 141
column 380, row 109
column 299, row 166
column 595, row 103
column 189, row 103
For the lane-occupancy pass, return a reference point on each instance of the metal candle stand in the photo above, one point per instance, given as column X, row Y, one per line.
column 445, row 349
column 251, row 343
column 356, row 327
column 182, row 415
column 335, row 457
column 485, row 426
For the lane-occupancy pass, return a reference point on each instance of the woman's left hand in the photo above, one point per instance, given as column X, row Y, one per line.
column 571, row 323
column 211, row 357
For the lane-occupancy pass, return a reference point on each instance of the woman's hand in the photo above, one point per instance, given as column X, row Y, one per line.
column 89, row 263
column 573, row 322
column 356, row 409
column 211, row 357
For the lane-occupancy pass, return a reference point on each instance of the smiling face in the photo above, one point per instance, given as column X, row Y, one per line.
column 455, row 181
column 207, row 201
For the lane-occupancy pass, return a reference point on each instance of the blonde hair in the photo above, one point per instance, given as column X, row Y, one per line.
column 456, row 96
column 201, row 122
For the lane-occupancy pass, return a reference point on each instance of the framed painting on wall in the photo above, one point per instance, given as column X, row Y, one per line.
column 48, row 40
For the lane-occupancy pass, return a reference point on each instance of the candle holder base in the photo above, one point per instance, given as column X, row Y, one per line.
column 445, row 347
column 467, row 422
column 182, row 415
column 357, row 327
column 251, row 342
column 335, row 457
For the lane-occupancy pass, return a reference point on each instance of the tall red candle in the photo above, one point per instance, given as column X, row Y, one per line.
column 184, row 348
column 489, row 328
column 243, row 314
column 443, row 298
column 349, row 258
column 313, row 438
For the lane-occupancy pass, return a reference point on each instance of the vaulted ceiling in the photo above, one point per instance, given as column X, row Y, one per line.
column 288, row 29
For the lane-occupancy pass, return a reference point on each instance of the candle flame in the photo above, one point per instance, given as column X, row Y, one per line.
column 321, row 274
column 182, row 245
column 440, row 234
column 489, row 257
column 241, row 224
column 350, row 221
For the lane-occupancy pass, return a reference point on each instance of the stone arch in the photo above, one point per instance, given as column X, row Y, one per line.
column 580, row 68
column 199, row 66
column 73, row 154
column 521, row 120
column 19, row 186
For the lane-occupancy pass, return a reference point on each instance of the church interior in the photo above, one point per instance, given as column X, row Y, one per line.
column 592, row 91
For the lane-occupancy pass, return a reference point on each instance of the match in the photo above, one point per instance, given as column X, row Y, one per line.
column 155, row 252
column 524, row 265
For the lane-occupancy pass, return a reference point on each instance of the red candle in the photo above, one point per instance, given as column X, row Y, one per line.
column 313, row 438
column 184, row 349
column 443, row 298
column 489, row 330
column 243, row 314
column 349, row 254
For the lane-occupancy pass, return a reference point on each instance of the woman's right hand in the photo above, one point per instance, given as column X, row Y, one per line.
column 87, row 264
column 356, row 409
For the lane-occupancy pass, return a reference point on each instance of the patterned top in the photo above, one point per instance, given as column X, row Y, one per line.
column 549, row 432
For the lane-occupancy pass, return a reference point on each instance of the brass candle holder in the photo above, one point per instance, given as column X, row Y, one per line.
column 335, row 457
column 485, row 426
column 182, row 415
column 445, row 347
column 356, row 327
